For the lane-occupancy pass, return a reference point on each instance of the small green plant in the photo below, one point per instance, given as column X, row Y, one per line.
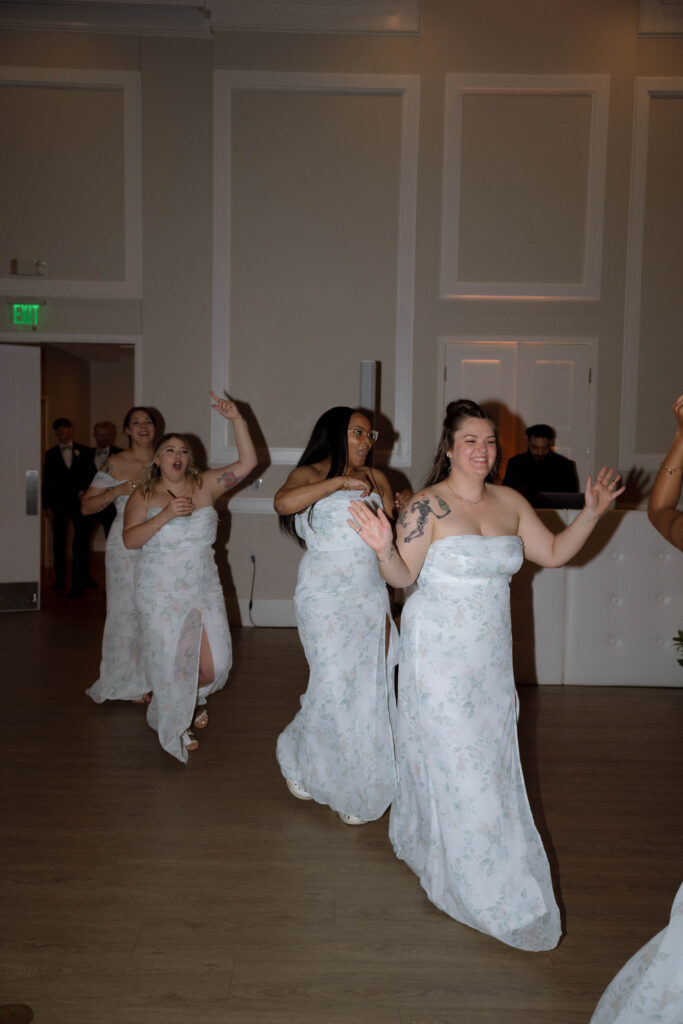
column 678, row 642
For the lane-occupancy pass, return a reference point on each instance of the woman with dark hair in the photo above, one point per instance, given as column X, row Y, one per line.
column 338, row 750
column 461, row 819
column 122, row 674
column 171, row 521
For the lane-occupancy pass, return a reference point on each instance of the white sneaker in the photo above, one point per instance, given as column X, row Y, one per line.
column 298, row 791
column 351, row 819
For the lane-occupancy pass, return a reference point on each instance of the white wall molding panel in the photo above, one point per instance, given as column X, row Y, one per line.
column 654, row 304
column 90, row 241
column 287, row 307
column 523, row 186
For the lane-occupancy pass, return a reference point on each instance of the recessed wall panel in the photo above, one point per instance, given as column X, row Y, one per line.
column 65, row 146
column 315, row 190
column 523, row 188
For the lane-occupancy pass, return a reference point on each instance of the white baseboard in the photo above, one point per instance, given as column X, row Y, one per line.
column 267, row 613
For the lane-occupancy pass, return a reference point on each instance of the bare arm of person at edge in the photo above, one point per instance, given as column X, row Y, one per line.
column 662, row 512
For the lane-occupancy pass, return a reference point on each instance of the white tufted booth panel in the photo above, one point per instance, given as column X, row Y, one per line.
column 624, row 604
column 607, row 619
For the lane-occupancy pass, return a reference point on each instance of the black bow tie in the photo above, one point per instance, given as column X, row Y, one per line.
column 101, row 451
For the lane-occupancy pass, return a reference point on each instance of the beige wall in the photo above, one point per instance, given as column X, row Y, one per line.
column 278, row 303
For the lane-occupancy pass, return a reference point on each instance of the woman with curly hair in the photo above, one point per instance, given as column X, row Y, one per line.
column 179, row 601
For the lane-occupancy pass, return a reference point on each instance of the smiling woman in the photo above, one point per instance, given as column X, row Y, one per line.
column 461, row 819
column 178, row 596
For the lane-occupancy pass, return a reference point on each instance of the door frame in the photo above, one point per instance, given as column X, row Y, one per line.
column 38, row 338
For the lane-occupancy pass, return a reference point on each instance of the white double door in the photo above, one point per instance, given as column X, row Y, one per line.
column 522, row 382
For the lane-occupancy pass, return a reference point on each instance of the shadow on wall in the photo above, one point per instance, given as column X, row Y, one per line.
column 225, row 516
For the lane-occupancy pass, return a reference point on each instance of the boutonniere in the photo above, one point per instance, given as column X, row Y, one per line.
column 76, row 451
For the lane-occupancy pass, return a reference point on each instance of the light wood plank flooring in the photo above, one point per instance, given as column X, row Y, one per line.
column 137, row 891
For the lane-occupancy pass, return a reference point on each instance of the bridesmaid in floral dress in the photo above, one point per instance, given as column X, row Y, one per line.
column 171, row 521
column 122, row 675
column 338, row 750
column 461, row 818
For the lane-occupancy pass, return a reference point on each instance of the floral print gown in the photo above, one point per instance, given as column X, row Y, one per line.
column 122, row 673
column 461, row 818
column 649, row 988
column 339, row 747
column 177, row 591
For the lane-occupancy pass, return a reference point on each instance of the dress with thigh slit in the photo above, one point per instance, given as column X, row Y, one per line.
column 177, row 592
column 122, row 673
column 339, row 747
column 461, row 818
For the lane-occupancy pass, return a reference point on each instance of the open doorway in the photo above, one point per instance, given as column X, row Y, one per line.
column 83, row 380
column 87, row 382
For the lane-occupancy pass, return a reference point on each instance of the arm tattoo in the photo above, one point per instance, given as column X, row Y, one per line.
column 228, row 479
column 424, row 510
column 403, row 518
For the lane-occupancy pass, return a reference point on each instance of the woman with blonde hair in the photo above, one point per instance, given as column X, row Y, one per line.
column 179, row 601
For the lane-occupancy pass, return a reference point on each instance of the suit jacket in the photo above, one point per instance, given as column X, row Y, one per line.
column 553, row 473
column 62, row 486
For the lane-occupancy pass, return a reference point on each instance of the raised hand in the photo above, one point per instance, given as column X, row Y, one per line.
column 603, row 491
column 227, row 408
column 372, row 527
column 183, row 506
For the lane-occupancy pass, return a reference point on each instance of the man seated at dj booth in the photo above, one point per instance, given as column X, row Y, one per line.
column 540, row 474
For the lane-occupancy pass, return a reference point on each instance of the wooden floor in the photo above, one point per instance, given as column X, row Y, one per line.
column 139, row 891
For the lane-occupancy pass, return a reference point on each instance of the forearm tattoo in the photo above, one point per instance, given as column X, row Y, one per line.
column 424, row 510
column 229, row 479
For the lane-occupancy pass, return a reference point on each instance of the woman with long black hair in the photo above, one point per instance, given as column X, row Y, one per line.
column 338, row 750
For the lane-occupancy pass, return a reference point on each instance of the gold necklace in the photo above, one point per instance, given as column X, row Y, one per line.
column 470, row 501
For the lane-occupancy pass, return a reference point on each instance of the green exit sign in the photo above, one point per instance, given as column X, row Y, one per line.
column 25, row 314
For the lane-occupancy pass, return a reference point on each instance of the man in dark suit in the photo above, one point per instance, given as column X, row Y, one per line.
column 105, row 435
column 539, row 469
column 67, row 471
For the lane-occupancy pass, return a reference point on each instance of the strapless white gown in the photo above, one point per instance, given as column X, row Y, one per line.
column 177, row 592
column 339, row 747
column 122, row 672
column 461, row 818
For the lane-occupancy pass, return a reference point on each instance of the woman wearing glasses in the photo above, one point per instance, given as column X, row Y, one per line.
column 338, row 750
